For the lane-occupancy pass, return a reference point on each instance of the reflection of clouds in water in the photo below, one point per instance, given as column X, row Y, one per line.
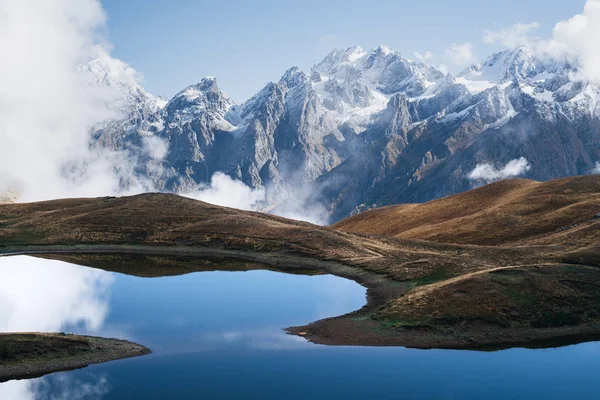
column 46, row 295
column 267, row 339
column 54, row 387
column 16, row 390
column 61, row 387
column 252, row 339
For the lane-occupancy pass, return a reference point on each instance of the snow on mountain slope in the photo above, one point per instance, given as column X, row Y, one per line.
column 127, row 98
column 202, row 99
column 356, row 84
column 402, row 130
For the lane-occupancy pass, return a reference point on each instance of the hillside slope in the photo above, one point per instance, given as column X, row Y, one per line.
column 513, row 212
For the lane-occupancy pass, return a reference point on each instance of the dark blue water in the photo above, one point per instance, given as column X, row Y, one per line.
column 218, row 335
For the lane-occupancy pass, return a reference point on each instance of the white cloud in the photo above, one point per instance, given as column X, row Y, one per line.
column 155, row 147
column 491, row 173
column 579, row 37
column 227, row 192
column 299, row 204
column 597, row 169
column 302, row 209
column 513, row 36
column 461, row 54
column 224, row 191
column 575, row 38
column 423, row 57
column 48, row 105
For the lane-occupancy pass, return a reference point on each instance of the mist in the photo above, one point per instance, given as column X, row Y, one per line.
column 47, row 108
column 224, row 191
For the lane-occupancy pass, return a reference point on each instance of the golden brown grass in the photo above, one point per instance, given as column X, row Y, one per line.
column 512, row 212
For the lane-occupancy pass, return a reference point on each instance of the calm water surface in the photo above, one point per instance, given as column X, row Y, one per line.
column 217, row 335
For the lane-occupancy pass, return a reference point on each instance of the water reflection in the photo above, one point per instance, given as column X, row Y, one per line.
column 45, row 295
column 188, row 315
column 56, row 387
column 218, row 335
column 39, row 295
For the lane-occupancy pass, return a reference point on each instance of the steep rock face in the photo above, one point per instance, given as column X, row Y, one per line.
column 301, row 138
column 532, row 109
column 190, row 124
column 367, row 128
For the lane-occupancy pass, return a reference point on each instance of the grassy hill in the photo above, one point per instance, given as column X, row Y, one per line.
column 512, row 212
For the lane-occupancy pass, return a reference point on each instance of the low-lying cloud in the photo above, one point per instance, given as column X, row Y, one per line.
column 490, row 173
column 224, row 191
column 597, row 169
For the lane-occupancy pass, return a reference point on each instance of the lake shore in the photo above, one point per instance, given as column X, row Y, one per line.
column 31, row 355
column 359, row 328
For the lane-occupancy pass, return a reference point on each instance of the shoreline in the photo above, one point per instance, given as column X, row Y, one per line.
column 357, row 328
column 32, row 355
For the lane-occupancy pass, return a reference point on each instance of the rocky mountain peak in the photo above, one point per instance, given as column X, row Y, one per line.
column 205, row 96
column 293, row 77
column 338, row 57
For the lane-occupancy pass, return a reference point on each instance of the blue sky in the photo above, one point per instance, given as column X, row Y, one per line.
column 174, row 43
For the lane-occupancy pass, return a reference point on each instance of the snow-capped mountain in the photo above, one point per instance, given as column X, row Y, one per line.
column 366, row 128
column 125, row 96
column 355, row 84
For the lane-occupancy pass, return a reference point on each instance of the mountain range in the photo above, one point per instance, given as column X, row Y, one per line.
column 365, row 128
